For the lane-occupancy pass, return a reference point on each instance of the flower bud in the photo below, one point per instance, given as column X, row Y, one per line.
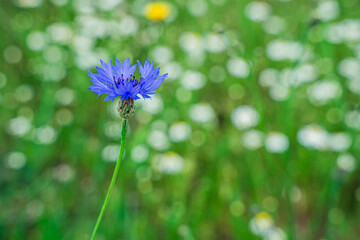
column 126, row 108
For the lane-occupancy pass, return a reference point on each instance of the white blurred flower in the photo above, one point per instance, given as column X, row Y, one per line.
column 192, row 43
column 110, row 152
column 24, row 93
column 339, row 142
column 112, row 129
column 276, row 234
column 36, row 40
column 258, row 11
column 215, row 42
column 16, row 160
column 159, row 125
column 352, row 119
column 305, row 73
column 128, row 26
column 238, row 67
column 279, row 92
column 179, row 131
column 65, row 96
column 332, row 33
column 13, row 54
column 244, row 117
column 313, row 136
column 158, row 140
column 252, row 139
column 346, row 162
column 349, row 68
column 324, row 91
column 261, row 224
column 53, row 54
column 169, row 163
column 64, row 116
column 140, row 153
column 107, row 5
column 27, row 3
column 53, row 72
column 278, row 50
column 347, row 30
column 274, row 25
column 276, row 142
column 63, row 173
column 162, row 54
column 83, row 6
column 197, row 8
column 288, row 77
column 201, row 112
column 34, row 209
column 153, row 106
column 92, row 26
column 18, row 126
column 193, row 80
column 45, row 135
column 60, row 32
column 269, row 77
column 82, row 43
column 174, row 69
column 354, row 85
column 85, row 60
column 327, row 10
column 350, row 30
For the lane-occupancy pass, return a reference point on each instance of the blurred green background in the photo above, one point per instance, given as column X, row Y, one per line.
column 254, row 134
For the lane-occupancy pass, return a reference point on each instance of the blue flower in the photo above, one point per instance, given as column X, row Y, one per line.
column 119, row 81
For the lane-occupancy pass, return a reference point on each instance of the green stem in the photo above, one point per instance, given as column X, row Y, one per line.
column 113, row 179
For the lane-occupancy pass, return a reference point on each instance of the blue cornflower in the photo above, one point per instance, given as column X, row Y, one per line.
column 119, row 81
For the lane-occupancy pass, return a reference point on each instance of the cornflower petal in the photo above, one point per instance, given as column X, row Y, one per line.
column 146, row 69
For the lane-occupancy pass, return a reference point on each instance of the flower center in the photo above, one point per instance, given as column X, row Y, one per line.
column 121, row 81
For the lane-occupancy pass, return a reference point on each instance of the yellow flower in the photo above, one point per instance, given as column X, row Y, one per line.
column 157, row 11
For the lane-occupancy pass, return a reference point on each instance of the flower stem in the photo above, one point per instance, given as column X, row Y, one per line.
column 113, row 179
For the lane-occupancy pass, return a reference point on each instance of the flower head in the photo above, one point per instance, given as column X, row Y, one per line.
column 119, row 81
column 157, row 11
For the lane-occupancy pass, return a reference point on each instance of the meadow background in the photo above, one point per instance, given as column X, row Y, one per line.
column 254, row 134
